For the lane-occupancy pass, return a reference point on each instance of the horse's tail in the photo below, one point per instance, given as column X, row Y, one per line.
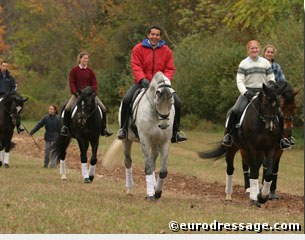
column 60, row 146
column 218, row 152
column 113, row 156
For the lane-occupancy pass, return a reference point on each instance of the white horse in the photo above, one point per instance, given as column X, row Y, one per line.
column 153, row 115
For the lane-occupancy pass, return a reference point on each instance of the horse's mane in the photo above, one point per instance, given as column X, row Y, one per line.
column 287, row 93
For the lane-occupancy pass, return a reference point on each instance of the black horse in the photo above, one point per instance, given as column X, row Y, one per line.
column 257, row 139
column 288, row 106
column 85, row 126
column 11, row 105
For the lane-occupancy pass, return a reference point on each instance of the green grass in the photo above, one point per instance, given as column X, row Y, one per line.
column 35, row 200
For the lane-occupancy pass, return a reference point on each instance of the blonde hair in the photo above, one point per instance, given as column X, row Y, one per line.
column 251, row 42
column 80, row 56
column 269, row 46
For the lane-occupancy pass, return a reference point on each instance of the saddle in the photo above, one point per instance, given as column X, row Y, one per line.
column 133, row 109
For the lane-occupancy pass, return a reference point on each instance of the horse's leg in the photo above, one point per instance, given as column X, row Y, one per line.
column 149, row 169
column 128, row 166
column 245, row 165
column 1, row 157
column 7, row 146
column 163, row 169
column 230, row 153
column 83, row 147
column 275, row 170
column 94, row 147
column 263, row 195
column 255, row 161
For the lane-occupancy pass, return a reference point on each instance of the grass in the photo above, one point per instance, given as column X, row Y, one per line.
column 35, row 200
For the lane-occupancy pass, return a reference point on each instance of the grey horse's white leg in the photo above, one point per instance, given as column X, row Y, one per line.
column 149, row 169
column 163, row 169
column 128, row 166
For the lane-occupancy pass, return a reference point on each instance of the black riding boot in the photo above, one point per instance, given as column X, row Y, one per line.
column 123, row 132
column 284, row 142
column 64, row 128
column 177, row 137
column 228, row 139
column 18, row 125
column 105, row 132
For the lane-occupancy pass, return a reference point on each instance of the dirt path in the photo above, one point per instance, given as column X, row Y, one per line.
column 175, row 182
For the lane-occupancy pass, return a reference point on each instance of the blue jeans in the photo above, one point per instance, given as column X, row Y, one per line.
column 48, row 145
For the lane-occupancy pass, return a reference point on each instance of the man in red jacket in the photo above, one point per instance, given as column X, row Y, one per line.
column 149, row 57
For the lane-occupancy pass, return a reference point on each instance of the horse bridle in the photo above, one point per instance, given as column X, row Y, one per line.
column 264, row 117
column 159, row 115
column 82, row 116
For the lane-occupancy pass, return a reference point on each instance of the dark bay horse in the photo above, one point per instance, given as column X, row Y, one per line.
column 288, row 106
column 85, row 126
column 257, row 139
column 10, row 108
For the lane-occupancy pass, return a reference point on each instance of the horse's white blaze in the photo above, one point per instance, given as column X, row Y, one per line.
column 92, row 170
column 266, row 188
column 6, row 157
column 229, row 184
column 254, row 189
column 62, row 169
column 150, row 185
column 85, row 172
column 129, row 178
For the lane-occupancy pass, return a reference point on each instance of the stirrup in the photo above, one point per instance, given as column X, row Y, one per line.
column 124, row 132
column 64, row 131
column 179, row 139
column 285, row 144
column 227, row 140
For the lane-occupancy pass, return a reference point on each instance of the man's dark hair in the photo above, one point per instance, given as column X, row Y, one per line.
column 155, row 27
column 4, row 61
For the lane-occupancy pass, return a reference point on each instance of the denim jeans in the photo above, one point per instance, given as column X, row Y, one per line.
column 48, row 152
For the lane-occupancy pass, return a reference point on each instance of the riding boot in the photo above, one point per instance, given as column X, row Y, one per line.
column 284, row 142
column 18, row 125
column 64, row 128
column 227, row 140
column 123, row 132
column 105, row 132
column 177, row 137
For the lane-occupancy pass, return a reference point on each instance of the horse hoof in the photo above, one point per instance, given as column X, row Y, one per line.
column 6, row 165
column 63, row 177
column 0, row 164
column 129, row 192
column 255, row 203
column 228, row 198
column 91, row 178
column 274, row 196
column 261, row 199
column 151, row 198
column 158, row 195
column 87, row 180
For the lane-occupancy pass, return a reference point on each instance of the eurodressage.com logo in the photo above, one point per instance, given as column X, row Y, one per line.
column 219, row 227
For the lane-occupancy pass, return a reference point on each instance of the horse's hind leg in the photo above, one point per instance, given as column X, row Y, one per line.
column 1, row 157
column 128, row 166
column 245, row 165
column 93, row 161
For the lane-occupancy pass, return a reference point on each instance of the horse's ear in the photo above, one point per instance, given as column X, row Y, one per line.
column 25, row 99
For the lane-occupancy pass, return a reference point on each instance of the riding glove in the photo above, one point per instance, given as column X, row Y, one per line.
column 144, row 83
column 249, row 95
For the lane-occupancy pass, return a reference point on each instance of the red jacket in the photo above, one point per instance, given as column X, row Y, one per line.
column 81, row 78
column 146, row 61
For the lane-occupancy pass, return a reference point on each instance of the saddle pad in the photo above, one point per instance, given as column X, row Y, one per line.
column 74, row 111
